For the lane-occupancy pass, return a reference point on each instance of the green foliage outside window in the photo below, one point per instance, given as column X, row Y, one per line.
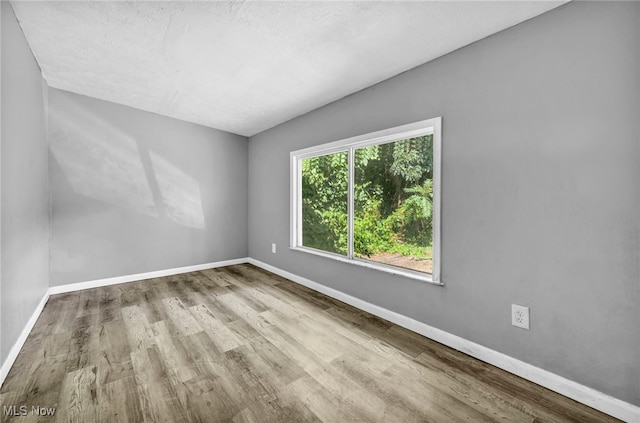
column 324, row 202
column 393, row 200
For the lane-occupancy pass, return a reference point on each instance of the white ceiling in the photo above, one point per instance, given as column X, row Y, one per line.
column 246, row 66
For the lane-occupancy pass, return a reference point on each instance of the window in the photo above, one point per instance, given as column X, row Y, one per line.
column 372, row 200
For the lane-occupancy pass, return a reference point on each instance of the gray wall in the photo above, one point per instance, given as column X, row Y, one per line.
column 135, row 192
column 24, row 184
column 540, row 192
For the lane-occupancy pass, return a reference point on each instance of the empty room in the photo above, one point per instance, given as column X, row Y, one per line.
column 320, row 211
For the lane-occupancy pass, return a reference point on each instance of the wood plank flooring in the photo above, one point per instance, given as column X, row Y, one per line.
column 239, row 344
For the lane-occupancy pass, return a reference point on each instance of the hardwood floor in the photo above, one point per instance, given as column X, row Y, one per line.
column 239, row 344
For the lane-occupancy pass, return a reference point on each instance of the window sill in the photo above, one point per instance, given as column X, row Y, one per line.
column 371, row 265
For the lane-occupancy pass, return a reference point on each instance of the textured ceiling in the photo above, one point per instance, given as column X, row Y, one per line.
column 244, row 67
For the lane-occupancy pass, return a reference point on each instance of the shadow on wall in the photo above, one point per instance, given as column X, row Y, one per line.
column 103, row 163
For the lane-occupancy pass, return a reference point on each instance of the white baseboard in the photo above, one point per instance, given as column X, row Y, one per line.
column 13, row 354
column 581, row 393
column 141, row 276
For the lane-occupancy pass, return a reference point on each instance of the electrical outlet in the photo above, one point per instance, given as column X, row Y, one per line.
column 520, row 316
column 273, row 248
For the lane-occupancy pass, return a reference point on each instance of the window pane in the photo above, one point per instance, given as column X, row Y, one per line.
column 393, row 203
column 324, row 202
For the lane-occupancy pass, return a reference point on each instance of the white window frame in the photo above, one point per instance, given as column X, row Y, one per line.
column 412, row 130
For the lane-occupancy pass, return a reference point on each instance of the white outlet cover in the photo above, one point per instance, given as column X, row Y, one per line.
column 520, row 316
column 273, row 248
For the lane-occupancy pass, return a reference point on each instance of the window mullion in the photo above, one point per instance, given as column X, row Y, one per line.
column 350, row 203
